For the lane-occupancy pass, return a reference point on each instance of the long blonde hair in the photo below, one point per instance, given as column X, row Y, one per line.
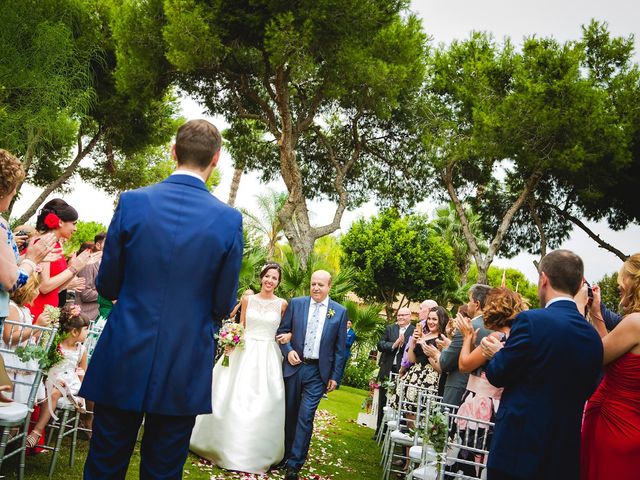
column 28, row 292
column 630, row 299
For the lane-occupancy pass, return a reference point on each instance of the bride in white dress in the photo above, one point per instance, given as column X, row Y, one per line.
column 245, row 432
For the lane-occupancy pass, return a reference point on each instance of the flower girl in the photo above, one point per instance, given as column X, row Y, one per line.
column 65, row 377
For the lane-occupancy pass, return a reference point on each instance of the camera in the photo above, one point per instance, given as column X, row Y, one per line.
column 70, row 297
column 589, row 293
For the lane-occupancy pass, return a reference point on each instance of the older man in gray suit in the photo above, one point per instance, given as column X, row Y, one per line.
column 456, row 380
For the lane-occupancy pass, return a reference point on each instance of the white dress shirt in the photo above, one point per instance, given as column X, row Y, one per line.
column 322, row 316
column 557, row 299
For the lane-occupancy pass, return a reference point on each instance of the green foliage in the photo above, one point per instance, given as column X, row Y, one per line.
column 359, row 372
column 447, row 224
column 609, row 291
column 367, row 322
column 86, row 232
column 296, row 278
column 266, row 222
column 305, row 86
column 395, row 256
column 515, row 280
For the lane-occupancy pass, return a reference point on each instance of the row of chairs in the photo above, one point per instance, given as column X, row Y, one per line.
column 27, row 378
column 403, row 432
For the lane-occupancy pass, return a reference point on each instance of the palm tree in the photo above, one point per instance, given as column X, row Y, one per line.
column 266, row 221
column 296, row 278
column 367, row 321
column 447, row 224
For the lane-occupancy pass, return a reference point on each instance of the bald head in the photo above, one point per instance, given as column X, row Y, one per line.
column 425, row 308
column 320, row 285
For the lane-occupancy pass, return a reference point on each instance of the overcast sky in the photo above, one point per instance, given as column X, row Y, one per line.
column 443, row 21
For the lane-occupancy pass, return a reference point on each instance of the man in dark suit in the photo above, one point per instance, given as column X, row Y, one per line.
column 392, row 345
column 313, row 363
column 171, row 260
column 548, row 367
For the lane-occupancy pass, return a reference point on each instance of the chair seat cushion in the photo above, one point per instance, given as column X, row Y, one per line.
column 427, row 472
column 400, row 437
column 415, row 453
column 13, row 412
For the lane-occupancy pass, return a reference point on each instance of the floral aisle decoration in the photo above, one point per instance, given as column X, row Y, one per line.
column 37, row 351
column 231, row 335
column 435, row 434
column 389, row 385
column 367, row 402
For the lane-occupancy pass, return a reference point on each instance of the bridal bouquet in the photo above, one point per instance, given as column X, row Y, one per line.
column 231, row 335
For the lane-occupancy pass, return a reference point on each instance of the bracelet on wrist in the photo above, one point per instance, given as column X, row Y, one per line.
column 73, row 270
column 29, row 262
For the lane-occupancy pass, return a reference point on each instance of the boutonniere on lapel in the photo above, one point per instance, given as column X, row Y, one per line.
column 330, row 313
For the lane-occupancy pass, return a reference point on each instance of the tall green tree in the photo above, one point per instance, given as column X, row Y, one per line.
column 322, row 77
column 397, row 257
column 58, row 103
column 504, row 131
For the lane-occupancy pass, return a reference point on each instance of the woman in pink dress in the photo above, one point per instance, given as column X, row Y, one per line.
column 611, row 429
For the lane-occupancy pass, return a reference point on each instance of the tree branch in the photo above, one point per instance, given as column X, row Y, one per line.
column 61, row 180
column 594, row 236
column 540, row 227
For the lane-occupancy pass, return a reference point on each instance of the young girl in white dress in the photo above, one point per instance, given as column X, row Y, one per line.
column 65, row 377
column 14, row 337
column 245, row 432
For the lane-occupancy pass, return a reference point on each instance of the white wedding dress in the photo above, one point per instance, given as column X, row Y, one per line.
column 245, row 432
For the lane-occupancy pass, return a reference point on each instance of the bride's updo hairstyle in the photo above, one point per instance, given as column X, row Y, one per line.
column 59, row 208
column 630, row 279
column 272, row 266
column 501, row 307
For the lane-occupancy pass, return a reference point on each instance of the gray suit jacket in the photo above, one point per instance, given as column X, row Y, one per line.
column 456, row 380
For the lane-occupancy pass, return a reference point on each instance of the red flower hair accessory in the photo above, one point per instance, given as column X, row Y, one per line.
column 52, row 221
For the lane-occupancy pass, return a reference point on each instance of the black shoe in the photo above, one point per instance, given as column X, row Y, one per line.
column 279, row 466
column 292, row 474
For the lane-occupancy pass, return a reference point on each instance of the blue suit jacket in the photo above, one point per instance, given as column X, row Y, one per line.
column 332, row 343
column 548, row 368
column 171, row 259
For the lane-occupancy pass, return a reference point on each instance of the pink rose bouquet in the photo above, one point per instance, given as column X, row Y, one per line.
column 230, row 336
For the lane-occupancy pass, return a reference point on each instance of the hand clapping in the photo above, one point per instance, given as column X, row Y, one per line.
column 490, row 346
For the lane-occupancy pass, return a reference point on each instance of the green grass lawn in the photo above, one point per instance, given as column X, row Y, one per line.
column 340, row 450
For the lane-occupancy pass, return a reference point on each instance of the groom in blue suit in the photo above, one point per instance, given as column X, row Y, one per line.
column 171, row 260
column 313, row 363
column 548, row 367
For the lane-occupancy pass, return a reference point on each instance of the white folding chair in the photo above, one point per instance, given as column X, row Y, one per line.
column 467, row 451
column 426, row 454
column 410, row 419
column 387, row 410
column 27, row 378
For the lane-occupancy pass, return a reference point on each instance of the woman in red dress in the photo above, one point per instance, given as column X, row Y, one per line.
column 59, row 218
column 611, row 430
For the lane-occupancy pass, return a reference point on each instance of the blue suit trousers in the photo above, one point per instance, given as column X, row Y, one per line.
column 164, row 449
column 303, row 392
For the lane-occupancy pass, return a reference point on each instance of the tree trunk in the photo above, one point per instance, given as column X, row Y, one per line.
column 62, row 179
column 484, row 261
column 235, row 184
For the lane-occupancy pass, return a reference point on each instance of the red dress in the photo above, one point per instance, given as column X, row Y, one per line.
column 611, row 429
column 51, row 298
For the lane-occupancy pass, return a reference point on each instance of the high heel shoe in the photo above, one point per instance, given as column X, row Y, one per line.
column 33, row 438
